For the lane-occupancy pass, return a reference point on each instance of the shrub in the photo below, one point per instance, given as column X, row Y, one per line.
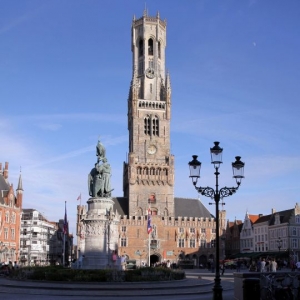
column 58, row 273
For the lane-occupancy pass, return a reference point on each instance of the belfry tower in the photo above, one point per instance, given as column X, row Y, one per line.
column 148, row 179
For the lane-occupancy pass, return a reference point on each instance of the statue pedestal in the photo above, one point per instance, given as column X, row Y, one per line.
column 101, row 234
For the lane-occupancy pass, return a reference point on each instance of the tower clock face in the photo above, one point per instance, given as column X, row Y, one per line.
column 151, row 149
column 150, row 73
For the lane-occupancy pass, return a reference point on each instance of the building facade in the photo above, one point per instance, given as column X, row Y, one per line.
column 10, row 217
column 42, row 241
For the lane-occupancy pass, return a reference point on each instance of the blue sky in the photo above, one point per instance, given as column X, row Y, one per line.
column 65, row 71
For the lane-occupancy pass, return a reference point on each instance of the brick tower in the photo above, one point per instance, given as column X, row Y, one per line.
column 149, row 173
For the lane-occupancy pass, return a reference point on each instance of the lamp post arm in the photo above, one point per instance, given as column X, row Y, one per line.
column 206, row 191
column 228, row 191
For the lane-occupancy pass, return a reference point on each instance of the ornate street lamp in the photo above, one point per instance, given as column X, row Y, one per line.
column 217, row 194
column 279, row 243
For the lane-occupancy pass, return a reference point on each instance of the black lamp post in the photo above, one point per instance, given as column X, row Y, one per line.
column 217, row 194
column 279, row 243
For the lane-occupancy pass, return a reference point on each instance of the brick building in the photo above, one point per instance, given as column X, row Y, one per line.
column 10, row 217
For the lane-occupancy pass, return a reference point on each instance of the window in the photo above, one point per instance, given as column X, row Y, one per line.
column 123, row 242
column 203, row 230
column 294, row 243
column 141, row 48
column 294, row 231
column 297, row 219
column 151, row 64
column 6, row 233
column 123, row 228
column 153, row 244
column 192, row 243
column 203, row 243
column 147, row 125
column 155, row 127
column 181, row 230
column 12, row 233
column 13, row 218
column 159, row 50
column 213, row 230
column 192, row 230
column 181, row 243
column 7, row 217
column 150, row 47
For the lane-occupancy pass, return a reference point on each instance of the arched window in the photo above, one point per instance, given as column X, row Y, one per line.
column 147, row 125
column 155, row 126
column 150, row 47
column 141, row 48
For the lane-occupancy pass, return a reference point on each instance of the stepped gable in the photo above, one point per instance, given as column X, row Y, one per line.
column 4, row 188
column 121, row 205
column 187, row 207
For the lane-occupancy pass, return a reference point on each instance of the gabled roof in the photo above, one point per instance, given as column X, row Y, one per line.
column 187, row 207
column 184, row 207
column 121, row 206
column 253, row 218
column 285, row 216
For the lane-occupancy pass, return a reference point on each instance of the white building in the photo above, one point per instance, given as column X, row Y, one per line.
column 36, row 236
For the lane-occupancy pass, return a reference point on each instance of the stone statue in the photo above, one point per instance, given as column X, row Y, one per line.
column 91, row 184
column 105, row 171
column 99, row 177
column 100, row 151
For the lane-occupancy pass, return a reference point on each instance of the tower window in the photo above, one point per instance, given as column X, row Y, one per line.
column 155, row 126
column 151, row 63
column 150, row 47
column 141, row 48
column 159, row 54
column 147, row 125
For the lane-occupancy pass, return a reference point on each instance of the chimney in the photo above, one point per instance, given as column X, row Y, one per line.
column 273, row 211
column 5, row 171
column 260, row 215
column 1, row 169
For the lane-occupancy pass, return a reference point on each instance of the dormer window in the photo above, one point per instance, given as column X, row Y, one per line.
column 277, row 219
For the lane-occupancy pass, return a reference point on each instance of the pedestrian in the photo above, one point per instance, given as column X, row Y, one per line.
column 123, row 262
column 222, row 268
column 212, row 265
column 258, row 265
column 298, row 265
column 263, row 266
column 238, row 266
column 273, row 265
column 16, row 265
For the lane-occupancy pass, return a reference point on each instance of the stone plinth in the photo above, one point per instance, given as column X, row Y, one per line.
column 101, row 233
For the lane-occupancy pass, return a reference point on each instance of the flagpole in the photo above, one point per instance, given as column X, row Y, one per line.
column 149, row 250
column 64, row 232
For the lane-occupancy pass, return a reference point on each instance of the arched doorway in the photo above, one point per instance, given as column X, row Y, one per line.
column 154, row 258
